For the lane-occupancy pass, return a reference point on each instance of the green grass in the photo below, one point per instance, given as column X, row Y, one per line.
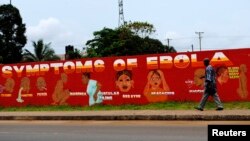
column 154, row 106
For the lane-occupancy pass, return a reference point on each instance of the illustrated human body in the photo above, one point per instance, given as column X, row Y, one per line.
column 222, row 74
column 41, row 84
column 93, row 89
column 24, row 87
column 242, row 90
column 61, row 92
column 198, row 77
column 124, row 81
column 156, row 86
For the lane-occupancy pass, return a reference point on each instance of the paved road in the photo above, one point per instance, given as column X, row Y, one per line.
column 106, row 130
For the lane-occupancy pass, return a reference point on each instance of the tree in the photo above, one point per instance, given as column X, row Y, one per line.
column 120, row 42
column 12, row 38
column 105, row 43
column 42, row 52
column 142, row 29
column 169, row 49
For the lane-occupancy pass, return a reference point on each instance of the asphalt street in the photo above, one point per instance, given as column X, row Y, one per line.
column 107, row 130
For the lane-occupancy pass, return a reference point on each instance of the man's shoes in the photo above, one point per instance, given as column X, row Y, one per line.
column 219, row 109
column 198, row 108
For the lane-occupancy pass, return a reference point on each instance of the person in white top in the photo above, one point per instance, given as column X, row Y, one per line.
column 93, row 89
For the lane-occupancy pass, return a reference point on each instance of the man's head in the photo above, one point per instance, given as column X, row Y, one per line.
column 206, row 61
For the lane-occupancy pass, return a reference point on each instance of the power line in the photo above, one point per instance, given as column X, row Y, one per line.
column 216, row 37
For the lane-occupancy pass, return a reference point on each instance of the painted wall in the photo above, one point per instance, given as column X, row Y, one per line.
column 122, row 80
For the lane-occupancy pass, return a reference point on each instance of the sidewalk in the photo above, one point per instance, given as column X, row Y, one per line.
column 130, row 115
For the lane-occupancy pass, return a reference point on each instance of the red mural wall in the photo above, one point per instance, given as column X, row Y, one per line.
column 125, row 80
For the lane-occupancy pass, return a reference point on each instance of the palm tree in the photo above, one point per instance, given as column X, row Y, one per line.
column 42, row 52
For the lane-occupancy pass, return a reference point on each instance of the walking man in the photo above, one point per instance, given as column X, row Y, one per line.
column 210, row 87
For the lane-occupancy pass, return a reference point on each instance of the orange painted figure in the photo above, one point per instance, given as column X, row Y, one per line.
column 61, row 92
column 9, row 85
column 41, row 84
column 222, row 74
column 242, row 90
column 199, row 77
column 124, row 81
column 24, row 87
column 156, row 87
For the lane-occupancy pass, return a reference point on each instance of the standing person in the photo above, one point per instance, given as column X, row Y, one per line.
column 93, row 89
column 210, row 87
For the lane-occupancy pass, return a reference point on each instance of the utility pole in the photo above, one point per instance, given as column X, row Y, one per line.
column 10, row 2
column 199, row 34
column 168, row 41
column 192, row 47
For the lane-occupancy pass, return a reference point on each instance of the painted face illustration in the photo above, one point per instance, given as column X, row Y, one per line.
column 85, row 79
column 155, row 80
column 41, row 84
column 9, row 85
column 25, row 84
column 64, row 77
column 124, row 83
column 224, row 76
column 198, row 81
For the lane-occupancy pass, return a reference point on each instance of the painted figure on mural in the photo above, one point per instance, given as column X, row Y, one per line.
column 41, row 84
column 24, row 87
column 198, row 77
column 61, row 92
column 210, row 87
column 8, row 86
column 242, row 90
column 93, row 89
column 222, row 74
column 124, row 81
column 156, row 87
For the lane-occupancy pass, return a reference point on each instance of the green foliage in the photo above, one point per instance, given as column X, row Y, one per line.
column 142, row 29
column 152, row 106
column 122, row 42
column 12, row 38
column 42, row 52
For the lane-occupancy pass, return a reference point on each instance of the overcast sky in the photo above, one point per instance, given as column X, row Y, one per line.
column 225, row 23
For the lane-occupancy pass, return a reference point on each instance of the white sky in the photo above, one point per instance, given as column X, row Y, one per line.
column 225, row 23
